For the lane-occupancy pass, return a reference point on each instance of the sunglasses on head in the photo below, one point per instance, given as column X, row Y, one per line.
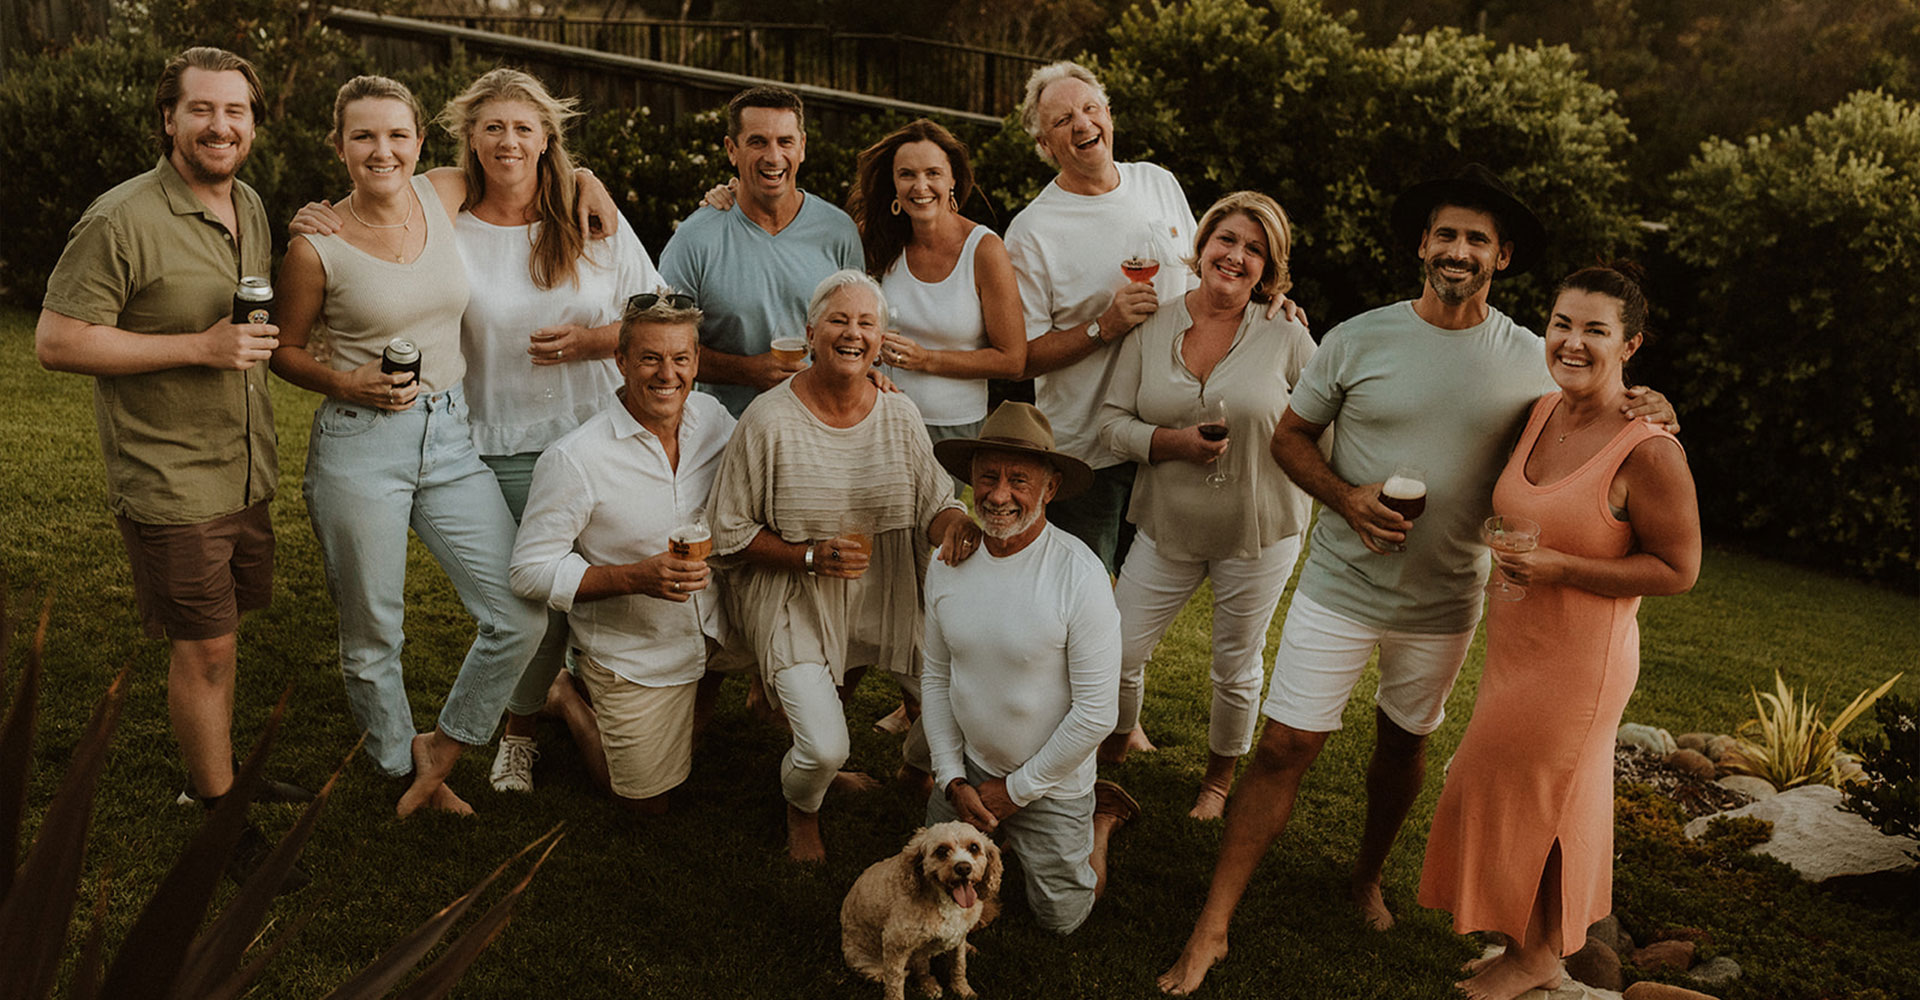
column 646, row 300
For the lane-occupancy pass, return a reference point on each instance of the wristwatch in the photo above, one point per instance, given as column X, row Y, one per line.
column 809, row 559
column 1093, row 330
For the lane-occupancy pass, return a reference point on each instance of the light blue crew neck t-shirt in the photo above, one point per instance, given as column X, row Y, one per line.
column 1398, row 390
column 753, row 285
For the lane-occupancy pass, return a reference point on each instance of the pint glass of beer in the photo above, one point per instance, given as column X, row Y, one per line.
column 791, row 350
column 1405, row 493
column 692, row 541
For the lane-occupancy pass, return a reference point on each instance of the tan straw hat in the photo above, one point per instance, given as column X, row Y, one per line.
column 1020, row 428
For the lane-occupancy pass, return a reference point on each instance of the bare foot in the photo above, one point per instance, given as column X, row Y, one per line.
column 854, row 781
column 433, row 758
column 803, row 837
column 1518, row 973
column 1114, row 749
column 1473, row 966
column 1210, row 804
column 895, row 722
column 1196, row 960
column 1373, row 906
column 444, row 798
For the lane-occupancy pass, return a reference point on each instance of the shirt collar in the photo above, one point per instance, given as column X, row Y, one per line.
column 180, row 197
column 626, row 425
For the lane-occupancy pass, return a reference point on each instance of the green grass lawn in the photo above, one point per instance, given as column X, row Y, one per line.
column 702, row 903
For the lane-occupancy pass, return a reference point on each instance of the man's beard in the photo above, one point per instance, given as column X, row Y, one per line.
column 1449, row 292
column 1019, row 527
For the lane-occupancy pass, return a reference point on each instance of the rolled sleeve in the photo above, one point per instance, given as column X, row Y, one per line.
column 1121, row 429
column 545, row 566
column 1093, row 677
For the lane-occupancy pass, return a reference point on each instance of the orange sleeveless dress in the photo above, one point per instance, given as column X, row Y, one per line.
column 1536, row 763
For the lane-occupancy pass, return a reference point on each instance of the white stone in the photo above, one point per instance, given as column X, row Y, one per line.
column 1659, row 741
column 1748, row 785
column 1819, row 839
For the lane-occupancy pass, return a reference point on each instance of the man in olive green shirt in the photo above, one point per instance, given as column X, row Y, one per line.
column 141, row 300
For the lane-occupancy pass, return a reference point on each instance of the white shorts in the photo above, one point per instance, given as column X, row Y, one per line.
column 1322, row 655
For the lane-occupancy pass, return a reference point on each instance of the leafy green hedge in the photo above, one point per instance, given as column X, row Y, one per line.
column 1801, row 340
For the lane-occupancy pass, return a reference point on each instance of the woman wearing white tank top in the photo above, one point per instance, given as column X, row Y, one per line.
column 956, row 318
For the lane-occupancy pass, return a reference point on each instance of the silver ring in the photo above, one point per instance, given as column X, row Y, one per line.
column 676, row 586
column 833, row 554
column 559, row 352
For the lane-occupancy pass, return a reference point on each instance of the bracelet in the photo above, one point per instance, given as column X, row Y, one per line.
column 808, row 560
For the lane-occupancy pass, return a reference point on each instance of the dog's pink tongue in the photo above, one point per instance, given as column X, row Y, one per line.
column 965, row 896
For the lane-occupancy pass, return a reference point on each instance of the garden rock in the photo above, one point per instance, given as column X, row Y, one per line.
column 1720, row 748
column 1661, row 991
column 1664, row 955
column 1608, row 929
column 1750, row 786
column 1715, row 972
column 1693, row 741
column 1819, row 839
column 1647, row 737
column 1692, row 762
column 1596, row 964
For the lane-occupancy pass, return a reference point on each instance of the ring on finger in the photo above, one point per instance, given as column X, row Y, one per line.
column 676, row 586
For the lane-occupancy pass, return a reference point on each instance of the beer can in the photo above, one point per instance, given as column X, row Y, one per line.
column 253, row 301
column 401, row 356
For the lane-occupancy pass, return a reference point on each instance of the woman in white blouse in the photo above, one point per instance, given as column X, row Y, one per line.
column 1210, row 509
column 538, row 334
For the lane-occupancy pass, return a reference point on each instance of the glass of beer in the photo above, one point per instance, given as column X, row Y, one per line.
column 692, row 541
column 1508, row 534
column 790, row 350
column 1405, row 493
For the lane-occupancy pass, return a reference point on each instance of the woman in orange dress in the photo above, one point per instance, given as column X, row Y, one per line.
column 1522, row 840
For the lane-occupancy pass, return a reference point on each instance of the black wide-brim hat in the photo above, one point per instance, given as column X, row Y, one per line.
column 1020, row 428
column 1473, row 185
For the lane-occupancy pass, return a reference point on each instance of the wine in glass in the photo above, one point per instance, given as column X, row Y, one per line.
column 1143, row 258
column 1213, row 427
column 1405, row 493
column 1508, row 534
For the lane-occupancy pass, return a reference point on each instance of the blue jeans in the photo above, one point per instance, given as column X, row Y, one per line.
column 370, row 475
column 515, row 474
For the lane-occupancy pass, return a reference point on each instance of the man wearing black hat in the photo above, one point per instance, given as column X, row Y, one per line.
column 1442, row 383
column 1021, row 671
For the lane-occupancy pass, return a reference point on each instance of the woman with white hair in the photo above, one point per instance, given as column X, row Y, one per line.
column 825, row 510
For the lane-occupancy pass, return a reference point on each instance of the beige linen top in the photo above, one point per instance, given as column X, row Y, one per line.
column 371, row 300
column 182, row 445
column 788, row 472
column 1152, row 387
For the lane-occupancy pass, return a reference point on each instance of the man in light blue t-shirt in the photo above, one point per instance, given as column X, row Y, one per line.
column 752, row 270
column 1442, row 382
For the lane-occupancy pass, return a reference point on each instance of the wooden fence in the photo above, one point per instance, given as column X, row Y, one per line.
column 924, row 71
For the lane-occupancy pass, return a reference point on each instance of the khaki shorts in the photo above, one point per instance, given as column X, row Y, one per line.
column 193, row 581
column 647, row 732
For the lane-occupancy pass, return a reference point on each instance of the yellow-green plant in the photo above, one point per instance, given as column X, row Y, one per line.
column 1787, row 742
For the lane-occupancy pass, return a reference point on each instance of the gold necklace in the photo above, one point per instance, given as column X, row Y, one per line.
column 406, row 225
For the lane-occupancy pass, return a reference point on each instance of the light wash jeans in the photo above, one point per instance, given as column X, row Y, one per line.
column 515, row 474
column 370, row 475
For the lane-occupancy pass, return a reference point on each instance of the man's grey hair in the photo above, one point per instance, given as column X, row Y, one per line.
column 845, row 278
column 1038, row 83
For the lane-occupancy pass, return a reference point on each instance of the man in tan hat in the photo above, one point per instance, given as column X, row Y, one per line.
column 1021, row 676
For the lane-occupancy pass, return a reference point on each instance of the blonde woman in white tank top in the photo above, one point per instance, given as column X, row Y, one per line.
column 389, row 451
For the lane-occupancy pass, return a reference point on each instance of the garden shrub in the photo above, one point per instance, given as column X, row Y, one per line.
column 1890, row 797
column 1800, row 351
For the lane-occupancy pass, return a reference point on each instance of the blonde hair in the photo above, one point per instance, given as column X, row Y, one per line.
column 1038, row 83
column 559, row 245
column 1272, row 220
column 364, row 88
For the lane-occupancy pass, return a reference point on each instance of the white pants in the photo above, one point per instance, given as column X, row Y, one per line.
column 819, row 723
column 1152, row 590
column 1323, row 653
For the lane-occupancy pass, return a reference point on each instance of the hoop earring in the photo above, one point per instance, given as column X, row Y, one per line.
column 896, row 206
column 953, row 203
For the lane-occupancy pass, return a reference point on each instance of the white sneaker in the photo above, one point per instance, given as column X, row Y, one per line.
column 513, row 765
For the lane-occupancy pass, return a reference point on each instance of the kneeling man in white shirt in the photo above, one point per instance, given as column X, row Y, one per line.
column 1022, row 670
column 594, row 543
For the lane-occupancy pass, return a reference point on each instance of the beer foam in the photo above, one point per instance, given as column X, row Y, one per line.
column 1402, row 488
column 690, row 533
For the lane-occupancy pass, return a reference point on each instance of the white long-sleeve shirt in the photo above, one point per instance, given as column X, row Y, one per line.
column 605, row 495
column 1022, row 667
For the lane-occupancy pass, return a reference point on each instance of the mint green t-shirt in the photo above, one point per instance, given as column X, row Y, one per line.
column 753, row 285
column 1401, row 391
